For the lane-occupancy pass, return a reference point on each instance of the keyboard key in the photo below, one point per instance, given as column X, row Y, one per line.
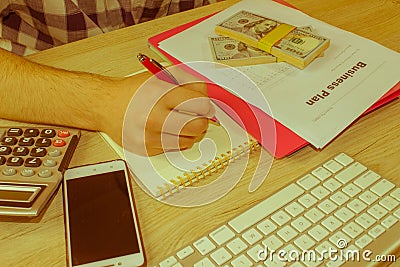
column 363, row 241
column 307, row 200
column 368, row 197
column 241, row 261
column 320, row 192
column 252, row 236
column 308, row 181
column 266, row 207
column 237, row 246
column 204, row 263
column 254, row 253
column 396, row 194
column 382, row 187
column 389, row 221
column 31, row 132
column 204, row 245
column 14, row 132
column 266, row 227
column 301, row 224
column 332, row 184
column 2, row 160
column 221, row 256
column 27, row 172
column 338, row 238
column 48, row 133
column 20, row 151
column 287, row 233
column 351, row 190
column 321, row 173
column 222, row 235
column 280, row 217
column 45, row 173
column 327, row 206
column 294, row 209
column 168, row 262
column 356, row 205
column 318, row 232
column 339, row 198
column 333, row 166
column 15, row 161
column 185, row 252
column 38, row 152
column 389, row 203
column 33, row 162
column 351, row 172
column 26, row 141
column 365, row 220
column 331, row 223
column 9, row 171
column 367, row 179
column 9, row 141
column 314, row 215
column 304, row 242
column 376, row 231
column 272, row 242
column 323, row 249
column 344, row 159
column 5, row 150
column 344, row 214
column 377, row 211
column 352, row 229
column 43, row 142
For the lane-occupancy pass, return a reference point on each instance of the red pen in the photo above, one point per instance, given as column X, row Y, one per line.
column 163, row 74
column 157, row 69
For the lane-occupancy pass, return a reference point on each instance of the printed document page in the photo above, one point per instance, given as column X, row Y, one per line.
column 317, row 102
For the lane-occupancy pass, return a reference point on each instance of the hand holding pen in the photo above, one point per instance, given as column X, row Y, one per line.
column 163, row 74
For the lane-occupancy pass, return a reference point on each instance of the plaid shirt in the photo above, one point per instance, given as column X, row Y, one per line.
column 27, row 26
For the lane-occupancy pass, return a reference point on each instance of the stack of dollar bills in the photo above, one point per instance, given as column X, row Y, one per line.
column 246, row 38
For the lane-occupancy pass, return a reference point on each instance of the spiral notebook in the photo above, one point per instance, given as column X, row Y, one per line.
column 166, row 174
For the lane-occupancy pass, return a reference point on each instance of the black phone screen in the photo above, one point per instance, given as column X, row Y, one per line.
column 101, row 220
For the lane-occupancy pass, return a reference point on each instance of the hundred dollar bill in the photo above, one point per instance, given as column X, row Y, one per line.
column 288, row 43
column 234, row 53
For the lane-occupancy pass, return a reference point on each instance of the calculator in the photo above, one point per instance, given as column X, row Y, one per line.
column 32, row 163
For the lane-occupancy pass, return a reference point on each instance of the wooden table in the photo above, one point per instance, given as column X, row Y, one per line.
column 373, row 139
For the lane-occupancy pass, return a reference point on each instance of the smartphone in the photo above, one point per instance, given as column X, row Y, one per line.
column 102, row 228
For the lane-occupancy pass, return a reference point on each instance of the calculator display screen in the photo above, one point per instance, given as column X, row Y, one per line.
column 101, row 222
column 10, row 195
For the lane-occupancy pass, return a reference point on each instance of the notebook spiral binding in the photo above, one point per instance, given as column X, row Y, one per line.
column 207, row 169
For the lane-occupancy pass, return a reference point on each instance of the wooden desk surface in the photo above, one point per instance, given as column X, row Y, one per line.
column 373, row 139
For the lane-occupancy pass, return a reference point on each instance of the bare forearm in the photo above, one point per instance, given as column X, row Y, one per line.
column 36, row 93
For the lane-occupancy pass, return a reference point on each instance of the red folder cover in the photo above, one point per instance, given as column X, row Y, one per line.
column 275, row 137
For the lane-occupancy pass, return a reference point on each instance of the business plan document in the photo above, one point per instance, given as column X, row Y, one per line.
column 317, row 102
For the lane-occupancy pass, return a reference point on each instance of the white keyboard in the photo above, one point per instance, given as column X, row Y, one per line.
column 339, row 206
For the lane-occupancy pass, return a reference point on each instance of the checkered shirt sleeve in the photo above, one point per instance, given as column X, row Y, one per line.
column 28, row 26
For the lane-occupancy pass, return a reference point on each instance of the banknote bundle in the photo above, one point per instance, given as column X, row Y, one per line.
column 296, row 46
column 231, row 52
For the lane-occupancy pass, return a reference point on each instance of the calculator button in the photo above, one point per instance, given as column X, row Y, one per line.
column 14, row 132
column 5, row 150
column 20, row 151
column 33, row 162
column 15, row 161
column 63, row 133
column 9, row 171
column 45, row 173
column 43, row 142
column 38, row 152
column 31, row 132
column 59, row 143
column 2, row 160
column 9, row 141
column 26, row 141
column 54, row 153
column 27, row 172
column 49, row 163
column 48, row 133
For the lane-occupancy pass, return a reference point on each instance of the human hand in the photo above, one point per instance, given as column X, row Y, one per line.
column 159, row 116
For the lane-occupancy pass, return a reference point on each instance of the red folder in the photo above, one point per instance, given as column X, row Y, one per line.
column 272, row 135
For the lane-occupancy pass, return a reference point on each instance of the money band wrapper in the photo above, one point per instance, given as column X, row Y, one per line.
column 274, row 36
